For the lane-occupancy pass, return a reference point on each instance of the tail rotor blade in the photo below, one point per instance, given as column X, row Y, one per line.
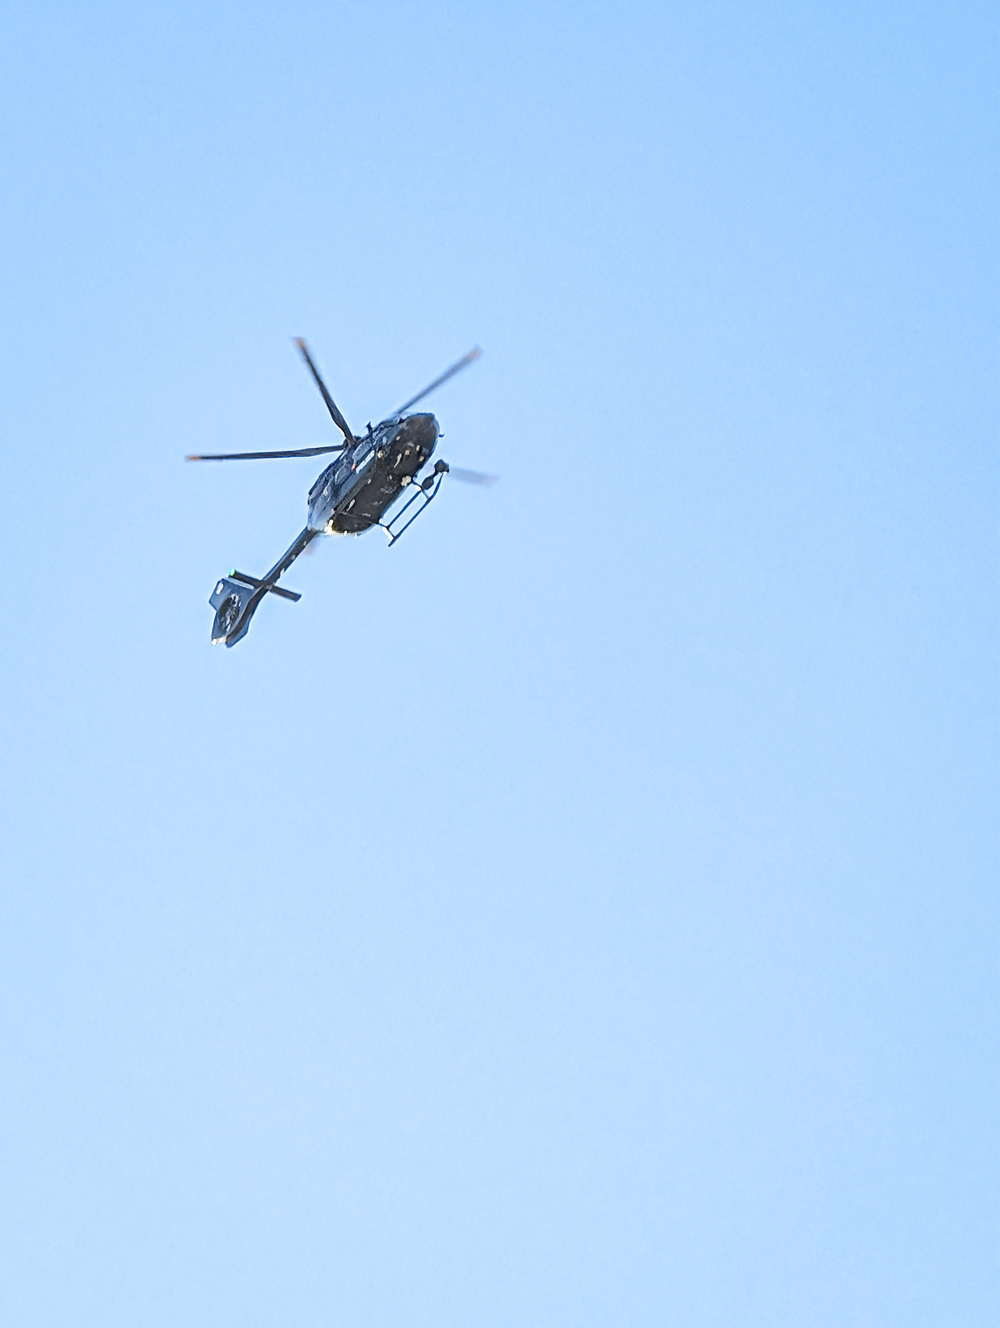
column 472, row 476
column 331, row 405
column 267, row 456
column 473, row 354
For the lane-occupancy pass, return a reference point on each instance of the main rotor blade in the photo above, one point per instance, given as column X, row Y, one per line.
column 266, row 456
column 331, row 405
column 473, row 354
column 472, row 476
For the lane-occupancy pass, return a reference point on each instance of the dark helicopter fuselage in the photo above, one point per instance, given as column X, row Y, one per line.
column 355, row 490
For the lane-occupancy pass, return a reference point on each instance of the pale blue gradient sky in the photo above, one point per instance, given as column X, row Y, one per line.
column 584, row 913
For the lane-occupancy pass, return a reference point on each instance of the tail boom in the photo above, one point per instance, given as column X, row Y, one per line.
column 236, row 596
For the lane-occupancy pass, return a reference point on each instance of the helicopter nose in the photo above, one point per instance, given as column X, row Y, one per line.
column 424, row 431
column 413, row 442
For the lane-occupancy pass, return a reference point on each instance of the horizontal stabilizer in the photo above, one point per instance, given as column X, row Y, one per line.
column 275, row 590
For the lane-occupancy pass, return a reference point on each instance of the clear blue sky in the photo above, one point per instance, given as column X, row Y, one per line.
column 585, row 912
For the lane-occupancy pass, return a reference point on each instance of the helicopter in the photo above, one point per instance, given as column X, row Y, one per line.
column 351, row 495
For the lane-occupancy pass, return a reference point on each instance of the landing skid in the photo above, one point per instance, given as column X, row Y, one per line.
column 426, row 492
